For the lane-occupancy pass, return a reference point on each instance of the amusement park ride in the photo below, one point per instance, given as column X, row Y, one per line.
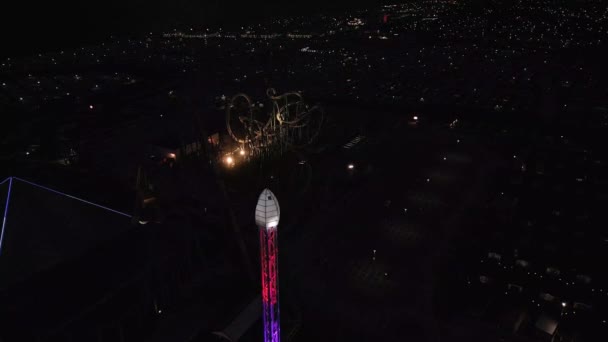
column 290, row 123
column 267, row 216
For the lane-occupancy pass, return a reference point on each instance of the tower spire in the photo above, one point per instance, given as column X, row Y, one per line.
column 267, row 215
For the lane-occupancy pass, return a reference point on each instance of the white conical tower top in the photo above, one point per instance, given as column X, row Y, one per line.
column 267, row 212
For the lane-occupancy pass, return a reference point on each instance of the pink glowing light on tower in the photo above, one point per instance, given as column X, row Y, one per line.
column 267, row 215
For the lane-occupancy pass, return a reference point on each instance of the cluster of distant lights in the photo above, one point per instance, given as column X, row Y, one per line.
column 467, row 25
column 423, row 100
column 53, row 86
column 541, row 277
column 406, row 8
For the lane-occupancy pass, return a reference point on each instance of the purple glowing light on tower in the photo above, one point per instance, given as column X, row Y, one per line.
column 8, row 198
column 267, row 215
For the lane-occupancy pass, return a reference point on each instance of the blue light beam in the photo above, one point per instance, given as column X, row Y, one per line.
column 8, row 198
column 74, row 197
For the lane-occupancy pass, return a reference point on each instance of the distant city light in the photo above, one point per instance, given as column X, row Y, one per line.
column 91, row 107
column 563, row 304
column 229, row 160
column 351, row 166
column 172, row 155
column 415, row 118
column 242, row 152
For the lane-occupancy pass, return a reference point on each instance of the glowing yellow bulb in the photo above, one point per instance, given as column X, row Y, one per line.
column 242, row 152
column 229, row 160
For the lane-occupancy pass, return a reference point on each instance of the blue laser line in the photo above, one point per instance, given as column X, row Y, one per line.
column 73, row 197
column 8, row 198
column 4, row 181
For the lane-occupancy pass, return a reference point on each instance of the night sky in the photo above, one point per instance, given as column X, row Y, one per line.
column 32, row 26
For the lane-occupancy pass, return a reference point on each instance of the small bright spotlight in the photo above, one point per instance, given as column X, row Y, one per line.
column 563, row 304
column 172, row 155
column 91, row 107
column 351, row 166
column 242, row 152
column 415, row 118
column 229, row 160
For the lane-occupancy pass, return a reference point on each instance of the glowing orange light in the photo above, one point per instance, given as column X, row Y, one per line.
column 229, row 160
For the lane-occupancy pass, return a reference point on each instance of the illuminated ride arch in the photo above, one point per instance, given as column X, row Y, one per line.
column 289, row 122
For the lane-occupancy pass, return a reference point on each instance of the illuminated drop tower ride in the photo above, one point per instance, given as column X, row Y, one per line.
column 267, row 214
